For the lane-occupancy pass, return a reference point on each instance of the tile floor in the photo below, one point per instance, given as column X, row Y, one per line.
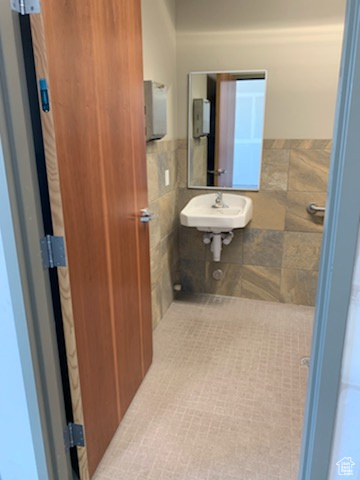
column 224, row 398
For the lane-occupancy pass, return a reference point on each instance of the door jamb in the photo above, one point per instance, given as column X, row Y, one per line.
column 21, row 174
column 337, row 261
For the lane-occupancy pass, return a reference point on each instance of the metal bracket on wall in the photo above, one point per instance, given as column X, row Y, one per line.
column 25, row 7
column 74, row 436
column 53, row 251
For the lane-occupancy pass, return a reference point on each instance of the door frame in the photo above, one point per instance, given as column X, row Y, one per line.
column 42, row 375
column 336, row 267
column 336, row 263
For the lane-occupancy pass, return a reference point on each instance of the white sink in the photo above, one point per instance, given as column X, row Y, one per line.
column 200, row 213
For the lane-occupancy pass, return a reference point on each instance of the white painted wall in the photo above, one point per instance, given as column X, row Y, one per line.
column 302, row 64
column 298, row 43
column 347, row 432
column 21, row 442
column 199, row 86
column 159, row 52
column 226, row 15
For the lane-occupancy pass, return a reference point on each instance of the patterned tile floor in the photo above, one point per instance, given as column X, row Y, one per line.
column 224, row 398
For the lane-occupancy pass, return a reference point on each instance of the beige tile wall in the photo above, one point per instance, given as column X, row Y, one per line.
column 161, row 155
column 199, row 164
column 276, row 256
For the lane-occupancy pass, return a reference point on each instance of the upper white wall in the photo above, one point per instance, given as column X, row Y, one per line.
column 225, row 15
column 302, row 65
column 159, row 52
column 298, row 43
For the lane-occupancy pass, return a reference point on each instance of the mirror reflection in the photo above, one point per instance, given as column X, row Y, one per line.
column 225, row 129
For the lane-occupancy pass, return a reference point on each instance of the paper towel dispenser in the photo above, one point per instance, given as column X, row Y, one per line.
column 155, row 110
column 201, row 117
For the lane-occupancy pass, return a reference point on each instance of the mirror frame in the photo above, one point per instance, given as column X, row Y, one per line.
column 190, row 127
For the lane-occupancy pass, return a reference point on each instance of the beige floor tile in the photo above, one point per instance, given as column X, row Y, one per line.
column 224, row 397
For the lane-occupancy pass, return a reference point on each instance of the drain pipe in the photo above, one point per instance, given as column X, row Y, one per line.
column 216, row 240
column 216, row 246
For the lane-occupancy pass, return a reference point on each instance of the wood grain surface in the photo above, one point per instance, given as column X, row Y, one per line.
column 97, row 156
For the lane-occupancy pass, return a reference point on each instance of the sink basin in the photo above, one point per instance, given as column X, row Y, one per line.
column 199, row 213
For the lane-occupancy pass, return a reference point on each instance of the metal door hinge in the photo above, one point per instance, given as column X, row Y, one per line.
column 44, row 95
column 74, row 436
column 25, row 7
column 53, row 251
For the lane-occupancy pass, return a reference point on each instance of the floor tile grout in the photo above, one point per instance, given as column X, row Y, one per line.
column 224, row 397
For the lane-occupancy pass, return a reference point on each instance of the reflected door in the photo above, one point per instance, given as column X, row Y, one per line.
column 224, row 129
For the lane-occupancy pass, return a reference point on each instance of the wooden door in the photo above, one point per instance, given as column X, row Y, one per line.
column 225, row 129
column 90, row 54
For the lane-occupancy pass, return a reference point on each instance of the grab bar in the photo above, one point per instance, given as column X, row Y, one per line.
column 312, row 208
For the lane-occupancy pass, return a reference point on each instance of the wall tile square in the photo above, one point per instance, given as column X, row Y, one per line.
column 302, row 250
column 191, row 245
column 152, row 147
column 263, row 248
column 169, row 254
column 154, row 225
column 167, row 291
column 168, row 213
column 269, row 210
column 230, row 284
column 156, row 310
column 308, row 170
column 192, row 275
column 299, row 286
column 155, row 265
column 153, row 181
column 181, row 156
column 163, row 164
column 313, row 144
column 274, row 169
column 261, row 283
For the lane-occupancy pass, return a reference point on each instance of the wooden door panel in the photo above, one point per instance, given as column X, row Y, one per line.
column 96, row 90
column 116, row 111
column 73, row 98
column 52, row 168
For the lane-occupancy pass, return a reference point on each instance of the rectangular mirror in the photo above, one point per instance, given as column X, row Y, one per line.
column 225, row 129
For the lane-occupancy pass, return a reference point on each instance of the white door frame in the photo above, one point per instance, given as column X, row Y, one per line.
column 337, row 261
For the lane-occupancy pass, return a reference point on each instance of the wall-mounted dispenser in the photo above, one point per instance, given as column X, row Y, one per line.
column 155, row 110
column 201, row 117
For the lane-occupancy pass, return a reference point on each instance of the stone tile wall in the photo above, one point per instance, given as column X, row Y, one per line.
column 276, row 256
column 164, row 227
column 199, row 164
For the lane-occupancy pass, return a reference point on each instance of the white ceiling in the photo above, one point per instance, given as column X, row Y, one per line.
column 219, row 15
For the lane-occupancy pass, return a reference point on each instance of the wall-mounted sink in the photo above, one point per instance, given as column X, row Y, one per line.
column 201, row 212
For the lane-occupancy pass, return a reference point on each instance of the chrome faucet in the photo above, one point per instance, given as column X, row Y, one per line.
column 219, row 202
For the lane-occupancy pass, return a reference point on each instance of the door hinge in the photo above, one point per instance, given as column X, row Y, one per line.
column 53, row 251
column 44, row 95
column 25, row 7
column 74, row 436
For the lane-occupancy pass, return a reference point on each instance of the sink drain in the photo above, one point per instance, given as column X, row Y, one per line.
column 305, row 362
column 217, row 274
